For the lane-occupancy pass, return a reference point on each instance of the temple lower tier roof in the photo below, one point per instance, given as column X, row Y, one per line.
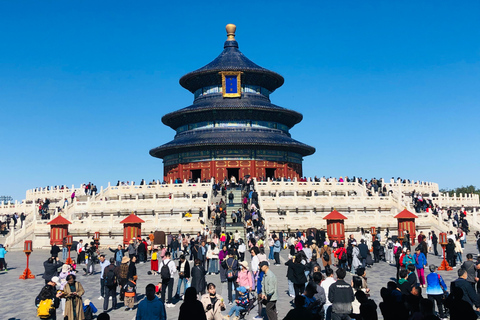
column 250, row 106
column 230, row 138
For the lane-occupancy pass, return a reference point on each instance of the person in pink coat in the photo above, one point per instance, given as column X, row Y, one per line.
column 244, row 276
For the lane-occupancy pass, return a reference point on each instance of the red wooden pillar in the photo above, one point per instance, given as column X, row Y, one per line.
column 335, row 226
column 58, row 230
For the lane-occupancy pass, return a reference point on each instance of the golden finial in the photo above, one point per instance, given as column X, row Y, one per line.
column 231, row 31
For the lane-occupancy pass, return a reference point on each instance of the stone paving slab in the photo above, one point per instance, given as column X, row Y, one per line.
column 17, row 296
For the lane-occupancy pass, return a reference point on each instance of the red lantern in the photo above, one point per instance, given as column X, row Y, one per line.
column 27, row 248
column 96, row 237
column 443, row 242
column 69, row 243
column 373, row 231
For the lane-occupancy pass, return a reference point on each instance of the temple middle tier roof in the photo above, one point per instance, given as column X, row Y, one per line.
column 214, row 107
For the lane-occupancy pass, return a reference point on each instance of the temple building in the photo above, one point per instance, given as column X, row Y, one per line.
column 232, row 128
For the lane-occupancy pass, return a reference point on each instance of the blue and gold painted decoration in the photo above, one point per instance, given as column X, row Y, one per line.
column 231, row 84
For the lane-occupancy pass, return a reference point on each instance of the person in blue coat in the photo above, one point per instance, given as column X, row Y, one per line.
column 420, row 264
column 435, row 288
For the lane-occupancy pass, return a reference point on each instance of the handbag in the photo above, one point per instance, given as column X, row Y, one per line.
column 189, row 284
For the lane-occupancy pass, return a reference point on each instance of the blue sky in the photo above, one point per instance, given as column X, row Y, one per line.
column 386, row 88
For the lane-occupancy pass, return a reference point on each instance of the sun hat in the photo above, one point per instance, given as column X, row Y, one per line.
column 56, row 280
column 244, row 264
column 125, row 259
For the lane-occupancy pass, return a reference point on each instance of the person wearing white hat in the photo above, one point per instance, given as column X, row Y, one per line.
column 49, row 291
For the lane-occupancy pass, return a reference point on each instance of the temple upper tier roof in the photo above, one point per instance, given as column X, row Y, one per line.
column 231, row 59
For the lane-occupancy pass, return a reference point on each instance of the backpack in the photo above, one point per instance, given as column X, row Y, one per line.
column 44, row 308
column 165, row 271
column 110, row 278
column 390, row 245
column 326, row 256
column 230, row 274
column 88, row 312
column 343, row 256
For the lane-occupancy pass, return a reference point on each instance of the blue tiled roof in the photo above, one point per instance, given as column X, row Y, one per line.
column 228, row 137
column 256, row 104
column 231, row 59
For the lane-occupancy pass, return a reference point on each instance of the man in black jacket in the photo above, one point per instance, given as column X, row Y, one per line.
column 434, row 243
column 469, row 294
column 174, row 245
column 341, row 296
column 363, row 252
column 51, row 268
column 50, row 292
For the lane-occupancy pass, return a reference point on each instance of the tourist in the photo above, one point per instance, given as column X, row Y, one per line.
column 3, row 263
column 231, row 269
column 174, row 246
column 212, row 255
column 241, row 303
column 329, row 280
column 297, row 274
column 458, row 250
column 299, row 312
column 420, row 264
column 191, row 308
column 269, row 291
column 183, row 269
column 51, row 268
column 244, row 277
column 118, row 254
column 326, row 255
column 167, row 272
column 73, row 292
column 364, row 252
column 434, row 243
column 49, row 292
column 435, row 289
column 450, row 253
column 103, row 264
column 132, row 250
column 130, row 291
column 132, row 269
column 122, row 274
column 54, row 250
column 469, row 293
column 408, row 258
column 277, row 246
column 151, row 307
column 198, row 277
column 154, row 262
column 341, row 296
column 212, row 303
column 110, row 280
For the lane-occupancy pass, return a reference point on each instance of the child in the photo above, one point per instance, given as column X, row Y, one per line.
column 242, row 303
column 158, row 288
column 89, row 309
column 154, row 262
column 130, row 291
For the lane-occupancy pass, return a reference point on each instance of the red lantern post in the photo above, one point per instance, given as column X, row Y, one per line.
column 96, row 239
column 400, row 235
column 443, row 242
column 27, row 274
column 373, row 231
column 69, row 243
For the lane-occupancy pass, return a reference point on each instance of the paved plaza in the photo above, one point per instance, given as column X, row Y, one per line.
column 17, row 296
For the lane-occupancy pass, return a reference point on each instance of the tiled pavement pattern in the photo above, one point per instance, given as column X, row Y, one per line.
column 17, row 296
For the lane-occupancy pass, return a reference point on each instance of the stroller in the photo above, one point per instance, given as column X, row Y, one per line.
column 251, row 305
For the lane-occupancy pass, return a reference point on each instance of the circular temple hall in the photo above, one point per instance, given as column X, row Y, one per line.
column 232, row 128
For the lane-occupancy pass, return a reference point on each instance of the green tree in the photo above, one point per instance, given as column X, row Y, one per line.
column 468, row 190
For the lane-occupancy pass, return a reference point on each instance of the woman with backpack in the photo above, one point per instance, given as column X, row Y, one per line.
column 231, row 269
column 326, row 255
